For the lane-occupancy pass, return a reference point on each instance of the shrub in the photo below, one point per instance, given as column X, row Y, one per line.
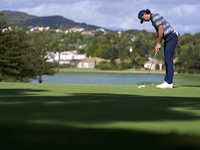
column 191, row 71
column 107, row 66
column 182, row 71
column 66, row 66
column 124, row 65
column 179, row 71
column 128, row 65
column 15, row 79
column 100, row 64
column 198, row 71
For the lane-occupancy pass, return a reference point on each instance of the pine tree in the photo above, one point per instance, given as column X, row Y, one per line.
column 40, row 48
column 3, row 26
column 25, row 65
column 15, row 59
column 8, row 50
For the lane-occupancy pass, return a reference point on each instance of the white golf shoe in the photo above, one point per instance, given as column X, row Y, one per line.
column 165, row 85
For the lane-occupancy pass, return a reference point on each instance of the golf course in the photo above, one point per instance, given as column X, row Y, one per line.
column 100, row 117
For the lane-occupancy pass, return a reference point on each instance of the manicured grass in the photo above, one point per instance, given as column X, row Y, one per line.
column 80, row 116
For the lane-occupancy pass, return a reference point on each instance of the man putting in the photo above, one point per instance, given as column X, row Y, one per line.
column 166, row 32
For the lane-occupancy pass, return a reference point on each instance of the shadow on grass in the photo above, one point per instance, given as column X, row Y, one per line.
column 18, row 92
column 191, row 86
column 63, row 138
column 24, row 106
column 93, row 107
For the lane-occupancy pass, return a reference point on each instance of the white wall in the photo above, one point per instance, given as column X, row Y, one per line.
column 67, row 55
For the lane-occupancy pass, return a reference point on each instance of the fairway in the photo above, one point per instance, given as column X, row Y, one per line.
column 84, row 116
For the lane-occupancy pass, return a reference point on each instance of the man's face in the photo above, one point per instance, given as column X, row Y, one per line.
column 145, row 17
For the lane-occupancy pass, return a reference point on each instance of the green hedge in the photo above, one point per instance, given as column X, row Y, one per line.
column 124, row 65
column 66, row 66
column 188, row 71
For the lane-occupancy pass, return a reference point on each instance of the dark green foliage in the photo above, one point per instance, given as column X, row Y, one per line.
column 14, row 57
column 198, row 71
column 189, row 51
column 108, row 66
column 40, row 48
column 100, row 64
column 124, row 65
column 105, row 65
column 182, row 71
column 188, row 71
column 22, row 56
column 81, row 51
column 91, row 51
column 66, row 66
column 191, row 71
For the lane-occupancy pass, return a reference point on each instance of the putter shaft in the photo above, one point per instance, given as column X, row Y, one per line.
column 150, row 67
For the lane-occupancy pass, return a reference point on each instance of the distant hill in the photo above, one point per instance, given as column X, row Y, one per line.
column 46, row 21
column 57, row 20
column 13, row 15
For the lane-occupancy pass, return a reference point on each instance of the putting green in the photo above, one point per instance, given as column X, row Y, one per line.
column 109, row 107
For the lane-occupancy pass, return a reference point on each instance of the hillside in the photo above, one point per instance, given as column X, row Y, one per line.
column 13, row 15
column 46, row 20
column 57, row 20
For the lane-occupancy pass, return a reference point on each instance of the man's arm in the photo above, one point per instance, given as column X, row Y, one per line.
column 159, row 39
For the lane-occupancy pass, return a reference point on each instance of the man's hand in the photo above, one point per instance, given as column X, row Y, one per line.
column 157, row 48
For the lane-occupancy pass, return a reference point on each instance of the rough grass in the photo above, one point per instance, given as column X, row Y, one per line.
column 80, row 116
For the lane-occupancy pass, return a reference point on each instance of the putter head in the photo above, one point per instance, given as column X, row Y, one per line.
column 141, row 86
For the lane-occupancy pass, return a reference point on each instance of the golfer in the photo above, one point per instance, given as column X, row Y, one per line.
column 166, row 32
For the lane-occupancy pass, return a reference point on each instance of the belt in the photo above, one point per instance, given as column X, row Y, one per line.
column 175, row 32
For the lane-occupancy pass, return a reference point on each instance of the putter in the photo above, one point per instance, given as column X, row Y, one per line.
column 148, row 72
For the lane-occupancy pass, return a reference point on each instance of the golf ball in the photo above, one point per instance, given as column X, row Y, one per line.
column 139, row 87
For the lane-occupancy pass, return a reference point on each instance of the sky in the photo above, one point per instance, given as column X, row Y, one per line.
column 181, row 14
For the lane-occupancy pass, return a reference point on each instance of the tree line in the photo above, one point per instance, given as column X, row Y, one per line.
column 24, row 56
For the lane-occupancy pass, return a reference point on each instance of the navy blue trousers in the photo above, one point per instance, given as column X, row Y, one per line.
column 169, row 47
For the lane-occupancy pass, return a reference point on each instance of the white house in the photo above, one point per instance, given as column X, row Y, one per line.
column 89, row 63
column 157, row 65
column 39, row 28
column 76, row 30
column 7, row 29
column 87, row 32
column 67, row 57
column 101, row 29
column 58, row 30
